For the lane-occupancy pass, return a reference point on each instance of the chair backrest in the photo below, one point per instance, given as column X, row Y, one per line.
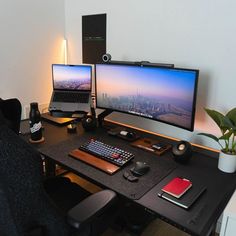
column 24, row 203
column 11, row 110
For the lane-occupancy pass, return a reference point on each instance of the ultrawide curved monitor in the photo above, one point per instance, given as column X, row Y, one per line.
column 163, row 94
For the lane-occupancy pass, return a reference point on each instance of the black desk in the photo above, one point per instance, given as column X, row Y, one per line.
column 200, row 219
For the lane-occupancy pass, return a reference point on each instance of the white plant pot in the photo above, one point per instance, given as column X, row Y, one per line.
column 227, row 162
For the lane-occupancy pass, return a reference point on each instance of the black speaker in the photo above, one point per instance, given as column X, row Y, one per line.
column 89, row 122
column 182, row 152
column 106, row 57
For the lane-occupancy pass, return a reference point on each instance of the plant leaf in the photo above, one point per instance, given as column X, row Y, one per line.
column 227, row 123
column 217, row 117
column 232, row 115
column 226, row 136
column 210, row 136
column 234, row 146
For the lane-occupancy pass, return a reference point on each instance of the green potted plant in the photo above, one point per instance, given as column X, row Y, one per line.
column 227, row 140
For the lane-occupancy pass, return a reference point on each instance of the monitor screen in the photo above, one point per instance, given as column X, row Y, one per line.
column 71, row 77
column 164, row 94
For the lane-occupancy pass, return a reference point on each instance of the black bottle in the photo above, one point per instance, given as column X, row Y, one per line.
column 35, row 123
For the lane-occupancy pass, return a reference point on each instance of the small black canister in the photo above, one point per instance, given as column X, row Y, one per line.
column 35, row 124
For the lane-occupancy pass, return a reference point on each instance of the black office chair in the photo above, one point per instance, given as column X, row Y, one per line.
column 27, row 207
column 11, row 108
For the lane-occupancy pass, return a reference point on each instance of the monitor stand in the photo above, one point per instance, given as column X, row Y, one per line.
column 120, row 132
column 102, row 116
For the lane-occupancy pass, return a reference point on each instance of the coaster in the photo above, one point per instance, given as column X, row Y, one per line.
column 37, row 141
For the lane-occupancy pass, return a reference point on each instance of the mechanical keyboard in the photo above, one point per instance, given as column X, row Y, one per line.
column 107, row 152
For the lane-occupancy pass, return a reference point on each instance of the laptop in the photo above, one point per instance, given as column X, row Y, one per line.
column 71, row 88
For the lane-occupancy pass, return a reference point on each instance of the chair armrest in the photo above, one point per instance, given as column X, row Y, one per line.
column 90, row 207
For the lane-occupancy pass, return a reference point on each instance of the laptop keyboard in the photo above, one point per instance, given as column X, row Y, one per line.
column 71, row 97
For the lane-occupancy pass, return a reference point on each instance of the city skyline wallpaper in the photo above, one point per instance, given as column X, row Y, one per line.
column 164, row 94
column 68, row 77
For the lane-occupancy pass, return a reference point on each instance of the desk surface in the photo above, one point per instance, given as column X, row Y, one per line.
column 198, row 220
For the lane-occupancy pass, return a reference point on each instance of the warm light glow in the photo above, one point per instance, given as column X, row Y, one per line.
column 65, row 51
column 161, row 135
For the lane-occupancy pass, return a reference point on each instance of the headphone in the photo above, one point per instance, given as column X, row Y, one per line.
column 89, row 122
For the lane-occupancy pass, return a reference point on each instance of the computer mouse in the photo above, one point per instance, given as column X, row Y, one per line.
column 140, row 168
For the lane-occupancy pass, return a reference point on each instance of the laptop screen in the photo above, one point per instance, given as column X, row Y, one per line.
column 72, row 77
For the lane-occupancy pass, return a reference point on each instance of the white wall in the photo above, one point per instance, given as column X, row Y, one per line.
column 193, row 34
column 31, row 40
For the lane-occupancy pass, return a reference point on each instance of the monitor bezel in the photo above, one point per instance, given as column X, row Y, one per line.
column 73, row 65
column 194, row 102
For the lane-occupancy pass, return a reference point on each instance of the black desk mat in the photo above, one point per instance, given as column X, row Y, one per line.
column 160, row 166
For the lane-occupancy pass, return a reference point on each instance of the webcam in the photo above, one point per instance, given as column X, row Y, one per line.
column 106, row 57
